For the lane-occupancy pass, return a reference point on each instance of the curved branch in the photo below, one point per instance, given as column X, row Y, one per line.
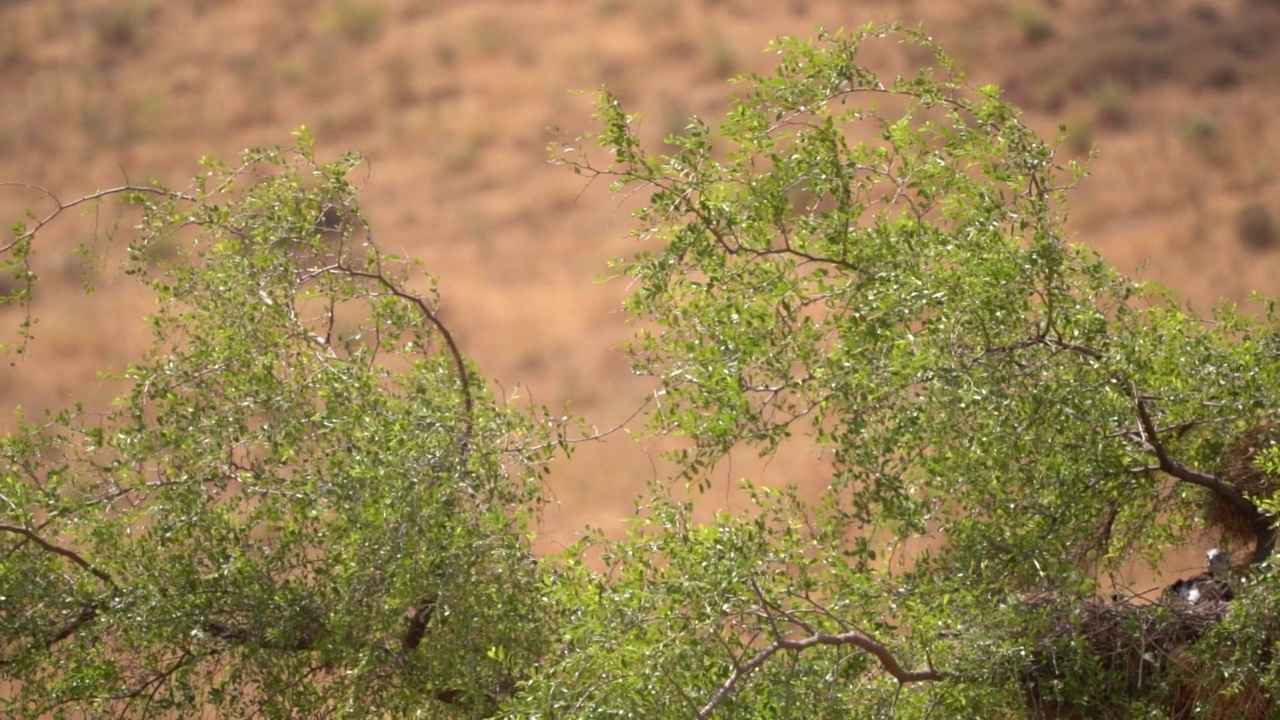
column 90, row 612
column 887, row 661
column 61, row 206
column 87, row 615
column 1151, row 442
column 1264, row 534
column 455, row 354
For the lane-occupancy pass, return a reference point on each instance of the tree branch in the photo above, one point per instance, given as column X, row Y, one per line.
column 1148, row 436
column 69, row 554
column 455, row 354
column 887, row 661
column 126, row 188
column 856, row 638
column 84, row 617
column 1151, row 442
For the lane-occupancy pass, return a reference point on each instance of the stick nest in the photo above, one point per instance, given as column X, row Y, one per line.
column 1142, row 653
column 1237, row 467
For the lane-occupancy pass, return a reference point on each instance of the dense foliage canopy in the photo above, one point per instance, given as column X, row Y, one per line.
column 309, row 504
column 304, row 476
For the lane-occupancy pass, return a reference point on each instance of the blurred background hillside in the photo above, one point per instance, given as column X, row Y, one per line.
column 450, row 101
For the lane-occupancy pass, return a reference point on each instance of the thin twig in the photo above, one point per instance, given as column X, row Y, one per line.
column 598, row 434
column 61, row 206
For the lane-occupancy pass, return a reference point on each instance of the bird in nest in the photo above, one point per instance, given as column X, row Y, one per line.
column 1212, row 585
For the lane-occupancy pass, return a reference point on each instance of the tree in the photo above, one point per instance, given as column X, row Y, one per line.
column 309, row 504
column 305, row 505
column 880, row 266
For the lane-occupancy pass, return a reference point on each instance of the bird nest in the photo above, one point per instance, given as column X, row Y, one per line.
column 1132, row 638
column 1097, row 656
column 1238, row 467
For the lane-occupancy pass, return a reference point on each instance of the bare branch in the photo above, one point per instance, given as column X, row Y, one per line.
column 767, row 608
column 152, row 685
column 61, row 206
column 598, row 434
column 772, row 611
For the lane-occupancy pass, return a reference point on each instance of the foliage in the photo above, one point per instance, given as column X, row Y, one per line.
column 878, row 265
column 308, row 504
column 305, row 505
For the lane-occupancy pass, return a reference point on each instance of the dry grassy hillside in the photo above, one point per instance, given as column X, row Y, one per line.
column 450, row 101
